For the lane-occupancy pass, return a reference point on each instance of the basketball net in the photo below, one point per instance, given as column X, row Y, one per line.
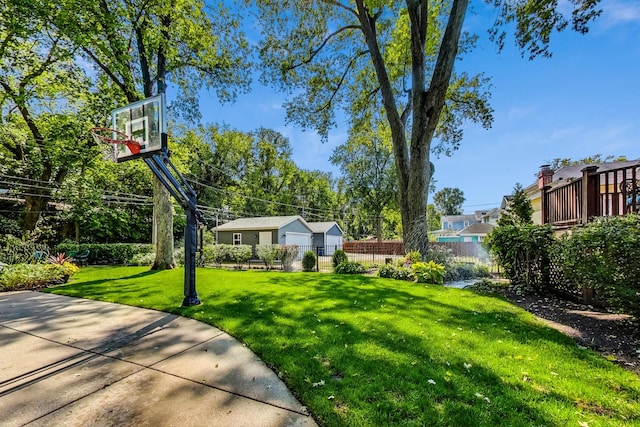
column 111, row 141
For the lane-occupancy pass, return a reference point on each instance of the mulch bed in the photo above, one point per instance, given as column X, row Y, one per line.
column 615, row 336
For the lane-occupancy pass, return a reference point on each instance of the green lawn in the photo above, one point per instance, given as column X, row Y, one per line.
column 392, row 352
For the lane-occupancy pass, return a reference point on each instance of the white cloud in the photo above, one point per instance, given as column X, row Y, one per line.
column 565, row 133
column 617, row 12
column 517, row 113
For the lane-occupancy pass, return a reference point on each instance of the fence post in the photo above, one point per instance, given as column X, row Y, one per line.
column 590, row 193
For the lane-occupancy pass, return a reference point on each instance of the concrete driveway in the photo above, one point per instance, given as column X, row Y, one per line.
column 74, row 362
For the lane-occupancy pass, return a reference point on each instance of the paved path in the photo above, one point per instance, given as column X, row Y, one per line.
column 74, row 362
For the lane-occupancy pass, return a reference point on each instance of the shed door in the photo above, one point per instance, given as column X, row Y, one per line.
column 302, row 240
column 333, row 243
column 265, row 238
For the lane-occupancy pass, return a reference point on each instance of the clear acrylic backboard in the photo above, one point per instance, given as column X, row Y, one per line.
column 144, row 122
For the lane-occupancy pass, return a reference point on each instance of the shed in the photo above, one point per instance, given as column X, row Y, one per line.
column 269, row 230
column 327, row 237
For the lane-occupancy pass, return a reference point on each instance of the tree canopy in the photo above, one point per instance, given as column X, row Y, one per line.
column 396, row 58
column 449, row 201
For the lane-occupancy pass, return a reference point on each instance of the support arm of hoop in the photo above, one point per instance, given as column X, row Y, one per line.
column 184, row 194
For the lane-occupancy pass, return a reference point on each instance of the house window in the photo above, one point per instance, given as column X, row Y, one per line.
column 237, row 238
column 466, row 224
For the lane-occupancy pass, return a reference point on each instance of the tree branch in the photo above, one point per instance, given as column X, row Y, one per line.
column 24, row 111
column 437, row 93
column 106, row 70
column 324, row 42
column 342, row 79
column 340, row 5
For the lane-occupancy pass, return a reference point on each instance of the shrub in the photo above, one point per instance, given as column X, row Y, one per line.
column 481, row 270
column 268, row 254
column 29, row 276
column 460, row 271
column 309, row 261
column 215, row 254
column 413, row 257
column 16, row 251
column 605, row 255
column 69, row 269
column 398, row 273
column 240, row 253
column 429, row 272
column 523, row 251
column 143, row 259
column 338, row 257
column 178, row 256
column 404, row 273
column 287, row 254
column 59, row 259
column 386, row 271
column 439, row 255
column 107, row 253
column 350, row 267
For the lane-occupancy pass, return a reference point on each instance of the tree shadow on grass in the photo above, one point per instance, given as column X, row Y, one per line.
column 362, row 338
column 92, row 288
column 371, row 346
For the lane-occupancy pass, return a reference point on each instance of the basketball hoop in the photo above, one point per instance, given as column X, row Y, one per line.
column 111, row 141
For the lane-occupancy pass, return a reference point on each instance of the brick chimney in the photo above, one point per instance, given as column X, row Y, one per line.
column 545, row 176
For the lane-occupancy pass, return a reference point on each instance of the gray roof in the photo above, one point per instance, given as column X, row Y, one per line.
column 476, row 229
column 259, row 223
column 576, row 171
column 322, row 227
column 466, row 217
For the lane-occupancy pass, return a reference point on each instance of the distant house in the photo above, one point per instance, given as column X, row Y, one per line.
column 574, row 194
column 327, row 237
column 270, row 230
column 281, row 230
column 467, row 228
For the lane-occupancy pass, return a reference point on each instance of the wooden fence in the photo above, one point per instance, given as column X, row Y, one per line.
column 457, row 249
column 607, row 193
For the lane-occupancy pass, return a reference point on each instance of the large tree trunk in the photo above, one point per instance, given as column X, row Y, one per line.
column 35, row 205
column 163, row 220
column 414, row 168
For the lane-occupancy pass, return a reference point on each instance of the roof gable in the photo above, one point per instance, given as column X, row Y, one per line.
column 477, row 229
column 323, row 227
column 261, row 223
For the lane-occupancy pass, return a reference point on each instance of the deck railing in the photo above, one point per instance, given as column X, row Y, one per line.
column 608, row 193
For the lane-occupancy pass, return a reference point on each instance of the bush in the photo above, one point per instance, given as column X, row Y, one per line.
column 605, row 255
column 178, row 256
column 287, row 254
column 268, row 254
column 386, row 271
column 338, row 257
column 398, row 273
column 439, row 255
column 413, row 257
column 465, row 271
column 309, row 261
column 215, row 254
column 350, row 267
column 16, row 251
column 107, row 253
column 524, row 252
column 30, row 276
column 143, row 259
column 430, row 272
column 240, row 253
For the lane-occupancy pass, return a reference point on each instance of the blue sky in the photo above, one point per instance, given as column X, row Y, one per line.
column 585, row 100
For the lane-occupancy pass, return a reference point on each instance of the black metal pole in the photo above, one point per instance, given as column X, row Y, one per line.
column 190, row 243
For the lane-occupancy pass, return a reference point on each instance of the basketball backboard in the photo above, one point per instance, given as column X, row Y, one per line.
column 144, row 122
